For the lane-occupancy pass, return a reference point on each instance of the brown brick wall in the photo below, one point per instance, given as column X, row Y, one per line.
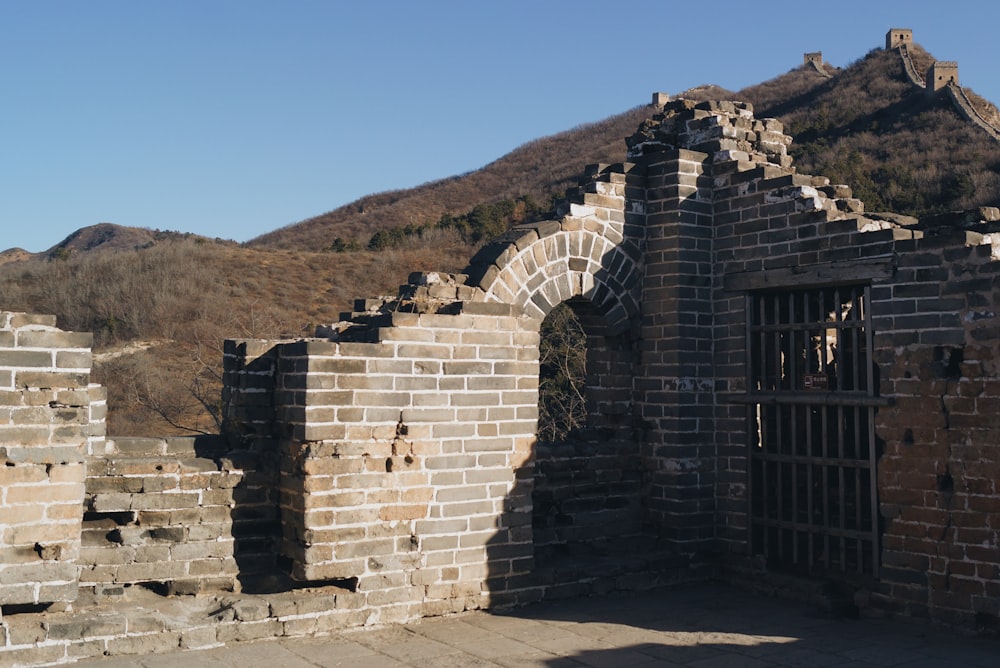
column 937, row 479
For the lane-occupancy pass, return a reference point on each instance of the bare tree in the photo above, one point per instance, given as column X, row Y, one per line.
column 562, row 375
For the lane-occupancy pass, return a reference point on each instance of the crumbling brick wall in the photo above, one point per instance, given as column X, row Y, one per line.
column 51, row 415
column 934, row 294
column 178, row 515
column 406, row 437
column 394, row 454
column 938, row 349
column 400, row 459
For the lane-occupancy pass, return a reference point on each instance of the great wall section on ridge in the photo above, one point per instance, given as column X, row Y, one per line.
column 783, row 390
column 942, row 75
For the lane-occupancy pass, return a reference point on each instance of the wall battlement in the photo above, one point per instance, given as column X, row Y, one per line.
column 941, row 75
column 898, row 37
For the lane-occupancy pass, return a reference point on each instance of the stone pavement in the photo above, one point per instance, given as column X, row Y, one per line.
column 697, row 626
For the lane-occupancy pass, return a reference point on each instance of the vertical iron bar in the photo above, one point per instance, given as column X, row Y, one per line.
column 792, row 436
column 872, row 454
column 764, row 370
column 753, row 419
column 809, row 487
column 807, row 415
column 790, row 328
column 827, row 310
column 779, row 466
column 775, row 487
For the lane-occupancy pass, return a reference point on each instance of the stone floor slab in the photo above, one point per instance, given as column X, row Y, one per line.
column 698, row 626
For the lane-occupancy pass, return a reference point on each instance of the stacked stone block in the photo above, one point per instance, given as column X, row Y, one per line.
column 178, row 515
column 401, row 460
column 47, row 423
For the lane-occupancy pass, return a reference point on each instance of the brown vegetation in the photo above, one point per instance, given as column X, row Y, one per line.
column 541, row 169
column 562, row 356
column 868, row 127
column 185, row 297
column 182, row 295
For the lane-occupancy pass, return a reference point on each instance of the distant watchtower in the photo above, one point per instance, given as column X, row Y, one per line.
column 660, row 99
column 814, row 57
column 940, row 74
column 898, row 37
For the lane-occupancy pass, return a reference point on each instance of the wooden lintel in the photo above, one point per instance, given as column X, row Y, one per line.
column 813, row 275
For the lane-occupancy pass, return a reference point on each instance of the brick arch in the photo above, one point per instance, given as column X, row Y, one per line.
column 585, row 490
column 536, row 267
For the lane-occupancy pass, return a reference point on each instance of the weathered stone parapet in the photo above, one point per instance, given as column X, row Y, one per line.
column 399, row 458
column 388, row 468
column 51, row 417
column 725, row 130
column 171, row 514
column 590, row 253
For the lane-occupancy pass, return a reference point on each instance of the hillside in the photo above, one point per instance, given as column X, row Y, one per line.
column 159, row 314
column 102, row 238
column 899, row 149
column 541, row 169
column 866, row 126
column 160, row 303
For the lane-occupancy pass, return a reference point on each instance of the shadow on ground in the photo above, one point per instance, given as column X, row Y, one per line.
column 714, row 625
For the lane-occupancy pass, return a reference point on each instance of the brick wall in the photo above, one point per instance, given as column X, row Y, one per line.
column 938, row 345
column 400, row 459
column 179, row 516
column 394, row 455
column 587, row 497
column 934, row 305
column 50, row 415
column 676, row 348
column 715, row 211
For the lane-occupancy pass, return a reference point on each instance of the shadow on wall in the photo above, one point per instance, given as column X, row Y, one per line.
column 576, row 521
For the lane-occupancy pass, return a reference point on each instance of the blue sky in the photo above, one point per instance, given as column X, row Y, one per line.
column 232, row 118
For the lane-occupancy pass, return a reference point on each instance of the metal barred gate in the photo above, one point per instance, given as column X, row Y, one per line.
column 812, row 395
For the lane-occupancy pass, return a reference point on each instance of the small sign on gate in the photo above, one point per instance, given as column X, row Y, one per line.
column 815, row 381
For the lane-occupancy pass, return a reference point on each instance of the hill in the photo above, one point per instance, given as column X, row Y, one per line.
column 102, row 237
column 160, row 303
column 869, row 127
column 865, row 125
column 541, row 169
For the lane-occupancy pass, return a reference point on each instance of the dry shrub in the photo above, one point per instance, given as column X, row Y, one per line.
column 187, row 298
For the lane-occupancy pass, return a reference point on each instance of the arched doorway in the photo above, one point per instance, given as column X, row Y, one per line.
column 588, row 473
